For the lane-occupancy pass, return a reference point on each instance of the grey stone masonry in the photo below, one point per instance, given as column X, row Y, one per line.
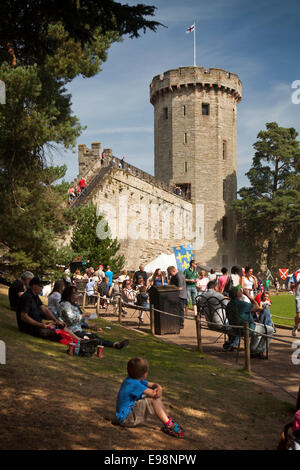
column 195, row 145
column 143, row 213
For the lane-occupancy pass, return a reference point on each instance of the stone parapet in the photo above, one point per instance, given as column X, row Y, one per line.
column 184, row 77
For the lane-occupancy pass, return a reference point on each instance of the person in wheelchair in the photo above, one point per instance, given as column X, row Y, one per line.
column 238, row 312
column 213, row 304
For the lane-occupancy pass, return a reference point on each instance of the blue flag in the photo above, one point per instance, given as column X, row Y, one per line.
column 183, row 257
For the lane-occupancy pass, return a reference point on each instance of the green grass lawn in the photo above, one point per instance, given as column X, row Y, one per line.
column 283, row 305
column 219, row 407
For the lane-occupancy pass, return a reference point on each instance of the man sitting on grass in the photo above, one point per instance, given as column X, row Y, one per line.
column 18, row 288
column 31, row 312
column 138, row 399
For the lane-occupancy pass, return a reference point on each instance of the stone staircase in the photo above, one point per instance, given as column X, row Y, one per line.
column 91, row 185
column 93, row 179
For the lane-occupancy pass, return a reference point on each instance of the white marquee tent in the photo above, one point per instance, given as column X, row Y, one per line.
column 162, row 262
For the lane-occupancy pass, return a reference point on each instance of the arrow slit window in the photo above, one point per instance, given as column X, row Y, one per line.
column 224, row 150
column 205, row 109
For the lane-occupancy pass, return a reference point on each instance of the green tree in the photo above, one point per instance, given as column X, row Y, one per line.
column 24, row 34
column 44, row 46
column 85, row 241
column 34, row 220
column 269, row 210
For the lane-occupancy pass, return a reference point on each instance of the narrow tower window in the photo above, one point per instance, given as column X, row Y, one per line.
column 224, row 151
column 205, row 109
column 166, row 113
column 185, row 167
column 184, row 110
column 185, row 138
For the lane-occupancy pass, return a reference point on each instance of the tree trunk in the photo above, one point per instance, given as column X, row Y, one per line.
column 270, row 254
column 276, row 175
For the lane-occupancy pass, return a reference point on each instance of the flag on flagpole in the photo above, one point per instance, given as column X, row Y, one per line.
column 190, row 29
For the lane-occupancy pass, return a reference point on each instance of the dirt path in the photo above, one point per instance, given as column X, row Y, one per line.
column 277, row 375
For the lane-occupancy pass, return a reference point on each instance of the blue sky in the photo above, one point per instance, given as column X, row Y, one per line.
column 260, row 41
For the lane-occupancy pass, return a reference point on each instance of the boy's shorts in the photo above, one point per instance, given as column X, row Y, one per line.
column 139, row 413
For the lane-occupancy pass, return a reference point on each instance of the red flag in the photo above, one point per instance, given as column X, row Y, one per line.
column 283, row 273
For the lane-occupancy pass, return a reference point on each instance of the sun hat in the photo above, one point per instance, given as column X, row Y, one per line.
column 27, row 275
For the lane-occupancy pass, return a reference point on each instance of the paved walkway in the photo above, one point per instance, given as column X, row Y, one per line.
column 278, row 375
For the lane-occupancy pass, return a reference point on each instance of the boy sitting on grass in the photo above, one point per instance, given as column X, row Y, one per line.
column 138, row 399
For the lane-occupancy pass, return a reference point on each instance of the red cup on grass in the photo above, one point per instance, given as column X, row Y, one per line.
column 100, row 351
column 71, row 350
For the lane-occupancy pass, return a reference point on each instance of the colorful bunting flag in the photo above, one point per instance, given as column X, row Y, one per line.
column 283, row 273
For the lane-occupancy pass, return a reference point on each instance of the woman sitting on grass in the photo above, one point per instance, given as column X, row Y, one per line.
column 72, row 319
column 55, row 297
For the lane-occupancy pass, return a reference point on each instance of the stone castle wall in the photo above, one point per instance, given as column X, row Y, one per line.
column 192, row 148
column 147, row 219
column 200, row 150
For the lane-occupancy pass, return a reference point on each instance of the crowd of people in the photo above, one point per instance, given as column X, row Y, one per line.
column 192, row 283
column 62, row 313
column 226, row 299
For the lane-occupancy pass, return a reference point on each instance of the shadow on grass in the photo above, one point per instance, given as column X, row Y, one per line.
column 54, row 401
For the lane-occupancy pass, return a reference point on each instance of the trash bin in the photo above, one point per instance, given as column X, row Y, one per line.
column 166, row 299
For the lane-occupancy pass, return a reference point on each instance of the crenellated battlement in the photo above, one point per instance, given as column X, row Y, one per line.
column 185, row 77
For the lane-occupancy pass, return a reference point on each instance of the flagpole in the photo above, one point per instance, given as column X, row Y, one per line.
column 195, row 44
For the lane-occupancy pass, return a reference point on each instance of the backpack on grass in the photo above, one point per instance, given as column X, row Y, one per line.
column 87, row 349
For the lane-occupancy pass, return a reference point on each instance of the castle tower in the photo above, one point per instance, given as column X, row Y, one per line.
column 87, row 158
column 195, row 145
